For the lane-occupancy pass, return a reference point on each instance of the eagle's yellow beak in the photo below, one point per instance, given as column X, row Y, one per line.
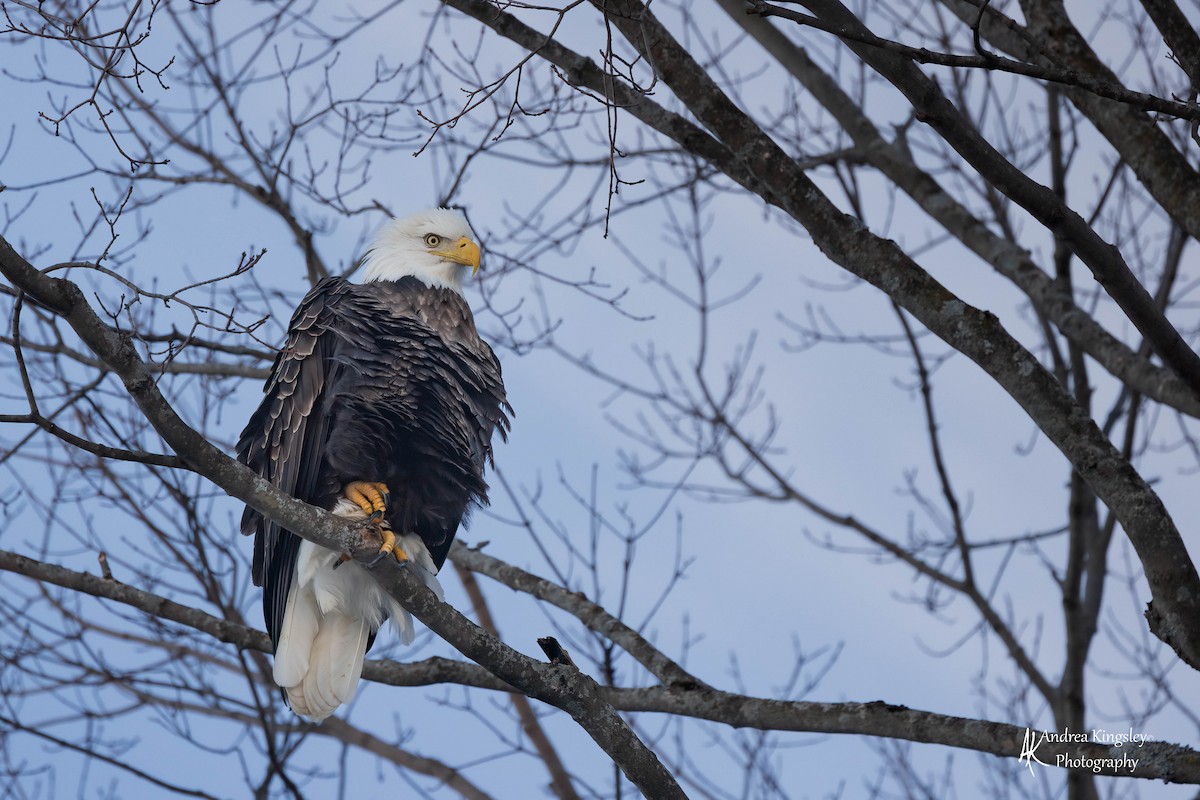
column 464, row 251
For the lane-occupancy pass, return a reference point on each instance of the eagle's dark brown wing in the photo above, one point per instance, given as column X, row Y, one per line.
column 283, row 440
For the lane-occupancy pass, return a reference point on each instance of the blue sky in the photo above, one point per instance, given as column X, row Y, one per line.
column 851, row 425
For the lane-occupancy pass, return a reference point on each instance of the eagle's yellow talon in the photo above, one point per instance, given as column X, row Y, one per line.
column 389, row 546
column 389, row 542
column 371, row 497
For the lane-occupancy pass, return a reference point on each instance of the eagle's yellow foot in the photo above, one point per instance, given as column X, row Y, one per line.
column 389, row 546
column 371, row 497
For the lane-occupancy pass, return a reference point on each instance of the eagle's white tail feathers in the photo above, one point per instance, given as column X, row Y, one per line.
column 330, row 615
column 334, row 667
column 300, row 620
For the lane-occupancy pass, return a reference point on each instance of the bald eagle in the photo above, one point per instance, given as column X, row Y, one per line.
column 381, row 405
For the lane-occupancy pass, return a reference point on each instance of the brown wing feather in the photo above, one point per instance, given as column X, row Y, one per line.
column 283, row 439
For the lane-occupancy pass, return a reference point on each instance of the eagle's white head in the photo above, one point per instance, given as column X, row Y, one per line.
column 436, row 246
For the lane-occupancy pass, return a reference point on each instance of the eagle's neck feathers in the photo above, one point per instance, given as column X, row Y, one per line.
column 387, row 265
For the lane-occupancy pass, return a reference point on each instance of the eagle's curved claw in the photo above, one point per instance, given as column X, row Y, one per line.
column 389, row 546
column 371, row 496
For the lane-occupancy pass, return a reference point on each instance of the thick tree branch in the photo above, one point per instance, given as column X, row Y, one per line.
column 1175, row 761
column 1179, row 34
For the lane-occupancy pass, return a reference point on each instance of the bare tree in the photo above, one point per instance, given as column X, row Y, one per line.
column 756, row 272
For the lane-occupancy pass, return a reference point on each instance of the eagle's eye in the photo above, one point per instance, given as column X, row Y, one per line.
column 432, row 240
